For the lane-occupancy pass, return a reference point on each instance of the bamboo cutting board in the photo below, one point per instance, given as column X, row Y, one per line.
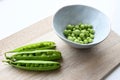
column 77, row 64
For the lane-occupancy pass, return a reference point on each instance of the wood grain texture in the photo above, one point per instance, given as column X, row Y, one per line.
column 77, row 64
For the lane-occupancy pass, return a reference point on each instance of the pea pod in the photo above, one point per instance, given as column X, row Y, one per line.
column 34, row 55
column 34, row 65
column 36, row 46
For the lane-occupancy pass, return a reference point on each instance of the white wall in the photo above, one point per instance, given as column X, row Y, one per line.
column 18, row 14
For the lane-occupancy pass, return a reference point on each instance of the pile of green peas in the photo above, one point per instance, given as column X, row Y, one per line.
column 80, row 33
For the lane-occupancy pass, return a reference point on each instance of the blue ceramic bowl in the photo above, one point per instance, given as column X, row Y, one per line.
column 75, row 14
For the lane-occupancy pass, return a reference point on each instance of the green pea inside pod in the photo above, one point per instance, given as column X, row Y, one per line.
column 36, row 46
column 34, row 65
column 34, row 55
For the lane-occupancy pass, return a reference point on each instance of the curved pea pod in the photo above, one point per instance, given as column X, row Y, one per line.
column 34, row 65
column 34, row 55
column 36, row 46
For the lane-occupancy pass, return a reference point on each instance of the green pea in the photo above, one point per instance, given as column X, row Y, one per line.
column 45, row 65
column 85, row 41
column 34, row 46
column 92, row 36
column 90, row 40
column 81, row 35
column 32, row 65
column 30, row 55
column 28, row 65
column 89, row 26
column 36, row 65
column 38, row 54
column 18, row 64
column 76, row 32
column 83, row 31
column 41, row 65
column 24, row 55
column 81, row 42
column 69, row 27
column 43, row 55
column 69, row 31
column 87, row 33
column 54, row 55
column 49, row 53
column 82, row 26
column 72, row 34
column 79, row 38
column 18, row 55
column 69, row 34
column 50, row 64
column 74, row 28
column 88, row 29
column 91, row 31
column 70, row 38
column 76, row 40
column 66, row 32
column 83, row 38
column 77, row 26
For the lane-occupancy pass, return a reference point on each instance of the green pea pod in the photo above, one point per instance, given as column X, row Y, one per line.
column 34, row 65
column 34, row 55
column 36, row 46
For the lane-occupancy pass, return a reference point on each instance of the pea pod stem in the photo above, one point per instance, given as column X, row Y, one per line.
column 7, row 61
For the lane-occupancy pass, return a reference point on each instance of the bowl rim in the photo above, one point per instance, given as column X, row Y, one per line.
column 109, row 25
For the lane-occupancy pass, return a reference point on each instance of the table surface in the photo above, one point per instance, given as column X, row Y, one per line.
column 93, row 64
column 18, row 14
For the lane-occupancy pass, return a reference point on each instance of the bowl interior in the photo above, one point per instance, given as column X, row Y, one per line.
column 78, row 13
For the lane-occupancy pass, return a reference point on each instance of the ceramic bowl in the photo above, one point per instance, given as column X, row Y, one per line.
column 74, row 14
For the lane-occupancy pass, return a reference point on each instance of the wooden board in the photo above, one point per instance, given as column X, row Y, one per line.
column 77, row 64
